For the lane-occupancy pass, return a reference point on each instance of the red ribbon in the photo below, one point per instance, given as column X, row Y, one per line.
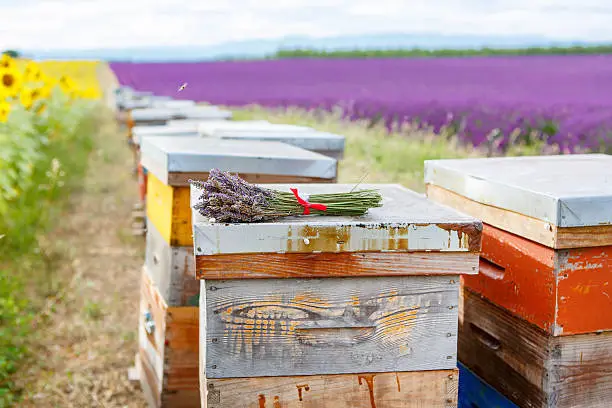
column 307, row 206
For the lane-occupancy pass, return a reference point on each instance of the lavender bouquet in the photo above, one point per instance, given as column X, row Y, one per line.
column 228, row 198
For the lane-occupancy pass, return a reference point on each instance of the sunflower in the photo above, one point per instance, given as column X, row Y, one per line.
column 67, row 84
column 5, row 110
column 10, row 81
column 7, row 62
column 32, row 72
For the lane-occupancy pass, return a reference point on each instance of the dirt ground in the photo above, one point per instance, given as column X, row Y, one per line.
column 89, row 340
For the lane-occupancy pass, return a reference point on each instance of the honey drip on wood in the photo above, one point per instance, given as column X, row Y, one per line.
column 299, row 390
column 369, row 379
column 277, row 403
column 399, row 389
column 262, row 401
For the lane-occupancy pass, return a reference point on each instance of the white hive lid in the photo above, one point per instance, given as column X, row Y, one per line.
column 209, row 129
column 309, row 140
column 164, row 155
column 564, row 190
column 407, row 221
column 139, row 132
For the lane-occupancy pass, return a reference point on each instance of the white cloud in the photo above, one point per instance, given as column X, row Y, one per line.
column 52, row 24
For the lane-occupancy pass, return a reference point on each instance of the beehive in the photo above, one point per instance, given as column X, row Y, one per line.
column 334, row 311
column 169, row 354
column 328, row 144
column 476, row 393
column 535, row 325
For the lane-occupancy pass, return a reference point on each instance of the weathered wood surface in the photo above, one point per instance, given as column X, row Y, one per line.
column 169, row 354
column 420, row 389
column 277, row 327
column 165, row 155
column 528, row 227
column 563, row 190
column 151, row 345
column 169, row 209
column 312, row 140
column 561, row 291
column 406, row 222
column 171, row 270
column 530, row 367
column 327, row 265
column 475, row 393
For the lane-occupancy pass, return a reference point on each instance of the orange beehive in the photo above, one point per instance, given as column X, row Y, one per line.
column 538, row 316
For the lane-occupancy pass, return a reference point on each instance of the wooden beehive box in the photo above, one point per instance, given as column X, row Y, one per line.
column 170, row 292
column 328, row 144
column 546, row 261
column 172, row 103
column 334, row 311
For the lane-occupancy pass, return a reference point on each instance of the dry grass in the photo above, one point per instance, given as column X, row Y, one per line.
column 84, row 347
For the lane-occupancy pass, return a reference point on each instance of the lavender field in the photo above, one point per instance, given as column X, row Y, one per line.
column 566, row 99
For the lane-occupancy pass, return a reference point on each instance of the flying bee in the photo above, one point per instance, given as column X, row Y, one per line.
column 182, row 87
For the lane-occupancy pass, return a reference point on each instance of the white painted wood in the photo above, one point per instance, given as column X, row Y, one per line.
column 276, row 327
column 193, row 112
column 209, row 129
column 407, row 221
column 172, row 269
column 196, row 122
column 565, row 190
column 164, row 155
column 141, row 131
column 309, row 140
column 174, row 104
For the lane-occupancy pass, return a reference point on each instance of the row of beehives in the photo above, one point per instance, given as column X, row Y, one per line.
column 368, row 311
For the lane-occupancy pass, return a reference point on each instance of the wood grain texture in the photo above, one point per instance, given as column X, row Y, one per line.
column 172, row 269
column 531, row 228
column 278, row 327
column 322, row 265
column 169, row 355
column 530, row 367
column 560, row 291
column 419, row 389
column 151, row 346
column 182, row 179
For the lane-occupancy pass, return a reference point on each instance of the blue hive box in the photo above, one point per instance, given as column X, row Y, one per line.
column 475, row 393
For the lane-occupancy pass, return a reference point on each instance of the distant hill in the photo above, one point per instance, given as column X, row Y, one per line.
column 253, row 49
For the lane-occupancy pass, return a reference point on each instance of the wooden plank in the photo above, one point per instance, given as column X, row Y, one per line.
column 179, row 154
column 182, row 179
column 527, row 227
column 475, row 393
column 151, row 345
column 530, row 367
column 160, row 202
column 277, row 327
column 406, row 222
column 322, row 265
column 560, row 291
column 172, row 269
column 563, row 190
column 169, row 353
column 431, row 389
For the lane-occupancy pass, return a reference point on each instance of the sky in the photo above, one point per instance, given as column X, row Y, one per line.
column 94, row 24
